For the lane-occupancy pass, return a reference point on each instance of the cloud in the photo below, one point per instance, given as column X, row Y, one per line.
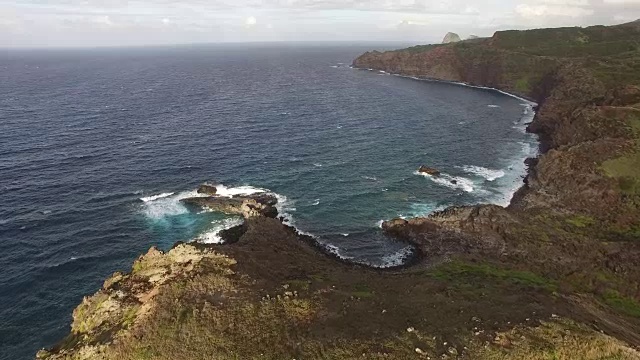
column 537, row 11
column 115, row 22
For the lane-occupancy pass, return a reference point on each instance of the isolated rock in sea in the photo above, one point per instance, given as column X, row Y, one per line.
column 207, row 189
column 429, row 171
column 247, row 206
column 451, row 38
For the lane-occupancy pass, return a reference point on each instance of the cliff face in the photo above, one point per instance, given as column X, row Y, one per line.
column 554, row 275
column 583, row 120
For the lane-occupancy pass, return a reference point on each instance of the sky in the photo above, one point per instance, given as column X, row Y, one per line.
column 91, row 23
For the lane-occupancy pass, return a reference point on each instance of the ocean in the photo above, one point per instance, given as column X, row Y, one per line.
column 98, row 146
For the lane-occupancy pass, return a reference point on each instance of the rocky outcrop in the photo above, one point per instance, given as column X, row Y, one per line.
column 459, row 230
column 247, row 206
column 207, row 189
column 429, row 171
column 127, row 300
column 451, row 38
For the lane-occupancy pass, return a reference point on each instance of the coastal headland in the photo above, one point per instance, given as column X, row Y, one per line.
column 552, row 276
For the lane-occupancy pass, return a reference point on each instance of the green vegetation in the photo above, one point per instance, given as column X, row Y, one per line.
column 581, row 221
column 523, row 85
column 457, row 271
column 362, row 291
column 573, row 42
column 626, row 168
column 423, row 48
column 622, row 303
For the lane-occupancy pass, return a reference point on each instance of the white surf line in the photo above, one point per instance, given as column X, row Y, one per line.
column 531, row 102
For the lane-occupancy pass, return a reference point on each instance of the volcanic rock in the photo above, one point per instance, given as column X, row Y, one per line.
column 247, row 206
column 207, row 189
column 429, row 171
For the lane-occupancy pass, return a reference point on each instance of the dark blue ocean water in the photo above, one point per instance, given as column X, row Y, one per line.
column 85, row 135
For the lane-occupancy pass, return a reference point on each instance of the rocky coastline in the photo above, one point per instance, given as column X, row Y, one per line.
column 552, row 274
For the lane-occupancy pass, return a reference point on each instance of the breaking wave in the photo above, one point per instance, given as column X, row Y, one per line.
column 237, row 191
column 483, row 172
column 212, row 236
column 155, row 197
column 160, row 206
column 452, row 182
column 398, row 258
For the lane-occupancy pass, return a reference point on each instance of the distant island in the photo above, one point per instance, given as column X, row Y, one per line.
column 554, row 275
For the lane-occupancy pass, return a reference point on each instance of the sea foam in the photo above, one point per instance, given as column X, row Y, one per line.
column 238, row 191
column 155, row 197
column 160, row 206
column 212, row 236
column 447, row 180
column 489, row 174
column 396, row 259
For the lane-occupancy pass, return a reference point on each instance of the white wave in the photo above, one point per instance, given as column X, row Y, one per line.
column 236, row 191
column 372, row 178
column 527, row 117
column 379, row 223
column 335, row 251
column 170, row 205
column 316, row 203
column 317, row 165
column 155, row 197
column 335, row 66
column 285, row 208
column 469, row 85
column 453, row 182
column 345, row 235
column 493, row 106
column 396, row 259
column 385, row 190
column 488, row 174
column 339, row 126
column 212, row 236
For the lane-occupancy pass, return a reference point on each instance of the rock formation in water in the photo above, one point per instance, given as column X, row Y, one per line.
column 557, row 267
column 247, row 205
column 451, row 38
column 207, row 189
column 429, row 171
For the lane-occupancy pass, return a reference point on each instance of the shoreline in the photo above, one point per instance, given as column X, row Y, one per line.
column 540, row 142
column 415, row 256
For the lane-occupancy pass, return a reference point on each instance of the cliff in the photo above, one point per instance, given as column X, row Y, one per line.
column 552, row 276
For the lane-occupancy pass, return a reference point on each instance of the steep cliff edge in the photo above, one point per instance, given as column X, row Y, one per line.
column 586, row 82
column 553, row 276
